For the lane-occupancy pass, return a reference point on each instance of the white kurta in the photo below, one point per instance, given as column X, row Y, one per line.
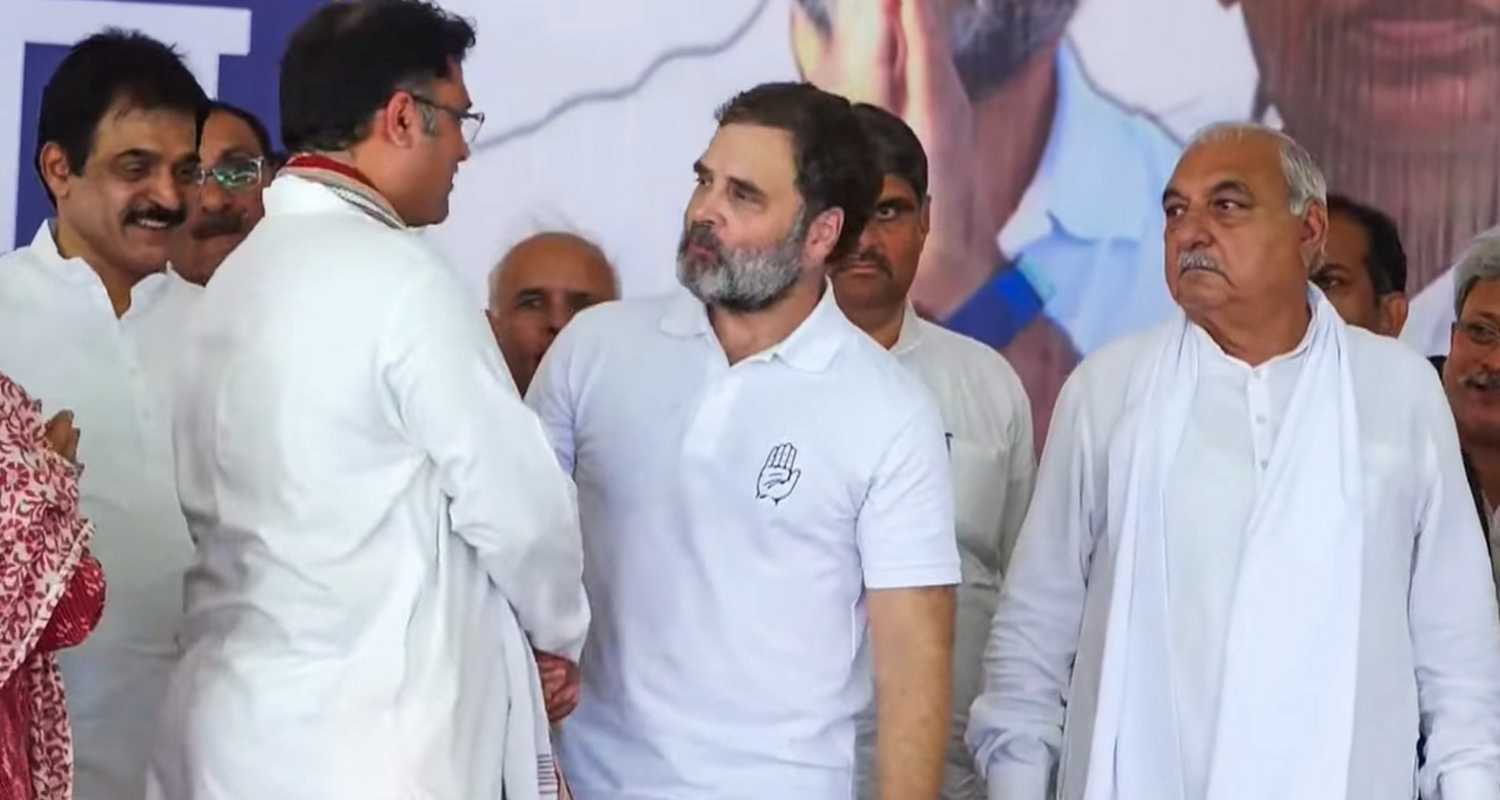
column 987, row 421
column 61, row 341
column 1429, row 635
column 374, row 509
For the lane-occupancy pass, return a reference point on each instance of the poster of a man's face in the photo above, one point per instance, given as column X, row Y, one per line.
column 1399, row 101
column 1040, row 118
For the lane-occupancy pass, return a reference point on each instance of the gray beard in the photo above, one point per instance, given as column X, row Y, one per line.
column 745, row 280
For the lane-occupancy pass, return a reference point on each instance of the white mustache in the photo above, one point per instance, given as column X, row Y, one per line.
column 1486, row 381
column 1197, row 259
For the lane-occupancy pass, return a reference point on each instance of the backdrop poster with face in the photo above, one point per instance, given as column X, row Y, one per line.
column 1048, row 157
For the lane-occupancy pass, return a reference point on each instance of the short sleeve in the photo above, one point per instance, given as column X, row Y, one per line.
column 905, row 530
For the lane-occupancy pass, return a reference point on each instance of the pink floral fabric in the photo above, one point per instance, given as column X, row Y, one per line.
column 43, row 558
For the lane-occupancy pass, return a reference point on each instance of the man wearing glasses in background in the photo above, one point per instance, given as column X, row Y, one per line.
column 382, row 531
column 1471, row 376
column 237, row 163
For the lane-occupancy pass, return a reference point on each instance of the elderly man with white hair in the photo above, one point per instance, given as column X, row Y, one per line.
column 1471, row 375
column 1251, row 568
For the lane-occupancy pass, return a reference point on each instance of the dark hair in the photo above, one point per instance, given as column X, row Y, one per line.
column 262, row 136
column 347, row 60
column 1386, row 261
column 835, row 165
column 896, row 147
column 111, row 66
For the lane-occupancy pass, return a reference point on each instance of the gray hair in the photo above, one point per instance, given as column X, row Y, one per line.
column 1304, row 179
column 1480, row 262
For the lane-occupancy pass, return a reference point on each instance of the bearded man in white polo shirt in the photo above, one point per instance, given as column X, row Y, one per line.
column 986, row 416
column 757, row 481
column 1252, row 567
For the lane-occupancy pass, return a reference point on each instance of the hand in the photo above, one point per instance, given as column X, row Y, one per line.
column 560, row 685
column 61, row 437
column 897, row 55
column 778, row 477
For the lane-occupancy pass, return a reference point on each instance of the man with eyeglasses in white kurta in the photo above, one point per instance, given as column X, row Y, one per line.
column 383, row 536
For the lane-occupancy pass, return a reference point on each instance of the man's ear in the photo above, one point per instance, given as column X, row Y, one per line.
column 57, row 173
column 1394, row 308
column 823, row 235
column 1314, row 235
column 399, row 121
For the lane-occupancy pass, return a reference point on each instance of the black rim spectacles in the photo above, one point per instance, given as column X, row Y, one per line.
column 469, row 122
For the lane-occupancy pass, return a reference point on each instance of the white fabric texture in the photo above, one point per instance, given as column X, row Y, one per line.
column 61, row 340
column 987, row 421
column 1337, row 654
column 1296, row 593
column 382, row 531
column 730, row 650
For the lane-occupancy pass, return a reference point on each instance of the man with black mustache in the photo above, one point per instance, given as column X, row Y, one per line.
column 89, row 320
column 986, row 417
column 1030, row 252
column 235, row 153
column 1471, row 374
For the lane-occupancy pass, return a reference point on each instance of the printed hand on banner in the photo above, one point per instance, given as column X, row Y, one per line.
column 779, row 476
column 560, row 685
column 896, row 54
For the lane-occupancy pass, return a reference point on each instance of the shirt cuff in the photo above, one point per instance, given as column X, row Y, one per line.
column 1469, row 783
column 944, row 574
column 999, row 310
column 1018, row 782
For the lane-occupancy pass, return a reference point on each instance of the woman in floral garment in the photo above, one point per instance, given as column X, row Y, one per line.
column 51, row 594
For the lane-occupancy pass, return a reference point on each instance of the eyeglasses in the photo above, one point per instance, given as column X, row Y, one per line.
column 233, row 174
column 469, row 122
column 1481, row 334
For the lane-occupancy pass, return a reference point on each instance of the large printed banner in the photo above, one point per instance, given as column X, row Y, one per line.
column 1055, row 155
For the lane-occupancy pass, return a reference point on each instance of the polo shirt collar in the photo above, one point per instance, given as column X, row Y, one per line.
column 811, row 347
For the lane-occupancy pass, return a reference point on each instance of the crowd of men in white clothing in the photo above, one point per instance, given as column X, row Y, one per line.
column 774, row 535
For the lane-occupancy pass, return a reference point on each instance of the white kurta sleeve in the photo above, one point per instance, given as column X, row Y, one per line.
column 551, row 395
column 1016, row 724
column 1020, row 479
column 508, row 499
column 1455, row 627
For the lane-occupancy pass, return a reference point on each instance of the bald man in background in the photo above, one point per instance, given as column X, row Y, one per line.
column 536, row 288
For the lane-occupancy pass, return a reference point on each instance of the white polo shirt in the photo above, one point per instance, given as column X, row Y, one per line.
column 987, row 421
column 733, row 518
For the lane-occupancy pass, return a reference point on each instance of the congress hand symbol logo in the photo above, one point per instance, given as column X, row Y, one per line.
column 779, row 476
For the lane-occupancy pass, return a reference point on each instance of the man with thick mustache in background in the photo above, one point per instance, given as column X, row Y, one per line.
column 765, row 495
column 1031, row 251
column 1471, row 375
column 986, row 418
column 89, row 320
column 1399, row 101
column 235, row 153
